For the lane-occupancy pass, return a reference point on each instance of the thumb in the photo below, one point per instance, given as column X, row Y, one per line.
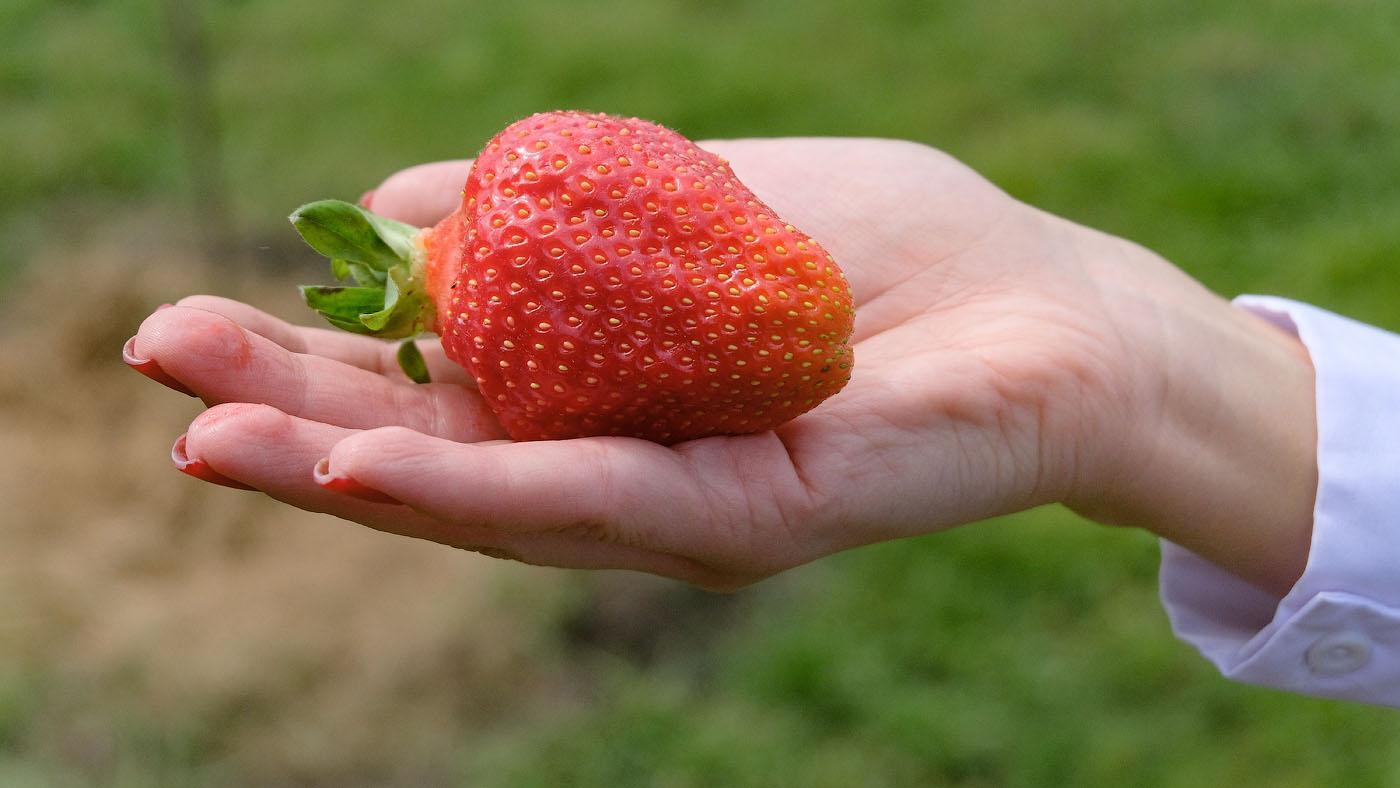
column 420, row 195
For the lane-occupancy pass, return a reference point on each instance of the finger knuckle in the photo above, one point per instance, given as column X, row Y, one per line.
column 264, row 421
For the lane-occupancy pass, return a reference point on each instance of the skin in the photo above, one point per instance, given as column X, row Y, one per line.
column 1005, row 358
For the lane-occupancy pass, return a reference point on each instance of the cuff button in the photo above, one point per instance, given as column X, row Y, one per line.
column 1334, row 655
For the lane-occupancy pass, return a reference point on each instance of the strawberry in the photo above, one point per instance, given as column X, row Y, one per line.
column 602, row 276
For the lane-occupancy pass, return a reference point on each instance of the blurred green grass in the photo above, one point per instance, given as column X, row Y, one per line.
column 1256, row 145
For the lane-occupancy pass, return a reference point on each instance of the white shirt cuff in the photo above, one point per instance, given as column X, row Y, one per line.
column 1337, row 632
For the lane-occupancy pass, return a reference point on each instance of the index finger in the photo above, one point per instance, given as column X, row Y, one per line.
column 374, row 355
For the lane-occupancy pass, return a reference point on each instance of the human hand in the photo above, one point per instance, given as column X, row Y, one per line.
column 1004, row 359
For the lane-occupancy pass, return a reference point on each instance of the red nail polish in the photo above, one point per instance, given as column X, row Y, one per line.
column 348, row 486
column 150, row 368
column 199, row 469
column 366, row 199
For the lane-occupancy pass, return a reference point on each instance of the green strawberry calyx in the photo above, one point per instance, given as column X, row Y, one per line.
column 384, row 258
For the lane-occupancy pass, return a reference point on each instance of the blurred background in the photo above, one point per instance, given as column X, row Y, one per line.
column 157, row 631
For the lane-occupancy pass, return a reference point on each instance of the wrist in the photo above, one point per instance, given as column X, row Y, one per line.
column 1220, row 455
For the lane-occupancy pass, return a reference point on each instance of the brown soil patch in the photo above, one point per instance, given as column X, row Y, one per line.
column 284, row 644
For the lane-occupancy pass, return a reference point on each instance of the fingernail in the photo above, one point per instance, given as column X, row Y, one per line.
column 199, row 469
column 348, row 486
column 366, row 199
column 150, row 368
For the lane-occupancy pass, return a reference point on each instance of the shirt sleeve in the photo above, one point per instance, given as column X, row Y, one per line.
column 1337, row 632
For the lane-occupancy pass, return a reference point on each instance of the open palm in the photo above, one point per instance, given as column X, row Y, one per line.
column 983, row 365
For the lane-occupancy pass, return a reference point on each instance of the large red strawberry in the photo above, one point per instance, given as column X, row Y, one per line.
column 602, row 276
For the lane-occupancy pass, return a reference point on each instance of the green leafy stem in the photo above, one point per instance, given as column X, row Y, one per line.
column 389, row 298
